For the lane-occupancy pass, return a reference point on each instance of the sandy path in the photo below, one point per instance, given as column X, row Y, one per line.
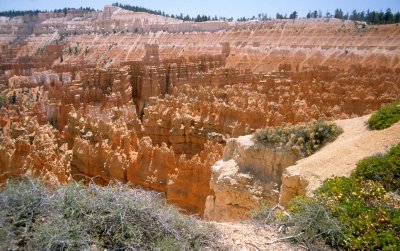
column 252, row 237
column 340, row 157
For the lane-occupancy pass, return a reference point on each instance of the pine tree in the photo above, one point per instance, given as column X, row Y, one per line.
column 354, row 15
column 293, row 15
column 338, row 13
column 279, row 16
column 14, row 98
column 397, row 17
column 389, row 18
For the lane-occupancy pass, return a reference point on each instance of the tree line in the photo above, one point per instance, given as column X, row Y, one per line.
column 198, row 18
column 371, row 17
column 15, row 13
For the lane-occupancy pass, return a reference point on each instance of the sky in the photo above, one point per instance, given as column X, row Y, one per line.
column 226, row 8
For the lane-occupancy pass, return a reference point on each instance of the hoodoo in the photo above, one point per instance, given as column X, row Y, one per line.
column 217, row 115
column 156, row 109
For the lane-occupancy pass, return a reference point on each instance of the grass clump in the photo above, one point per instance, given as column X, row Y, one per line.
column 361, row 212
column 79, row 217
column 385, row 116
column 304, row 140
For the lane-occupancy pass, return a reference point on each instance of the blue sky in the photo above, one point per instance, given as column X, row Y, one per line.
column 227, row 8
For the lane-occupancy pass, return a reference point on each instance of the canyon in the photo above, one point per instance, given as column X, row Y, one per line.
column 170, row 105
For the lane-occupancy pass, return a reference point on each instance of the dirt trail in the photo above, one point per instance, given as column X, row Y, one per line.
column 252, row 237
column 341, row 156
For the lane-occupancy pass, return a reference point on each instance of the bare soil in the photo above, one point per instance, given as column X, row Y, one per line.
column 252, row 236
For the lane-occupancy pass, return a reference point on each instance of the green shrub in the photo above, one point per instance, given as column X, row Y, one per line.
column 383, row 169
column 3, row 100
column 304, row 139
column 77, row 217
column 365, row 210
column 312, row 222
column 385, row 117
column 361, row 212
column 306, row 220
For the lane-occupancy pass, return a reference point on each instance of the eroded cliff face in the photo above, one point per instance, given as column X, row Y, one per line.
column 156, row 104
column 33, row 149
column 247, row 177
column 112, row 151
column 114, row 36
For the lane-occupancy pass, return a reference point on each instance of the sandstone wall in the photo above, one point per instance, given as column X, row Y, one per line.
column 155, row 105
column 247, row 177
column 33, row 149
column 265, row 46
column 112, row 151
column 111, row 20
column 259, row 46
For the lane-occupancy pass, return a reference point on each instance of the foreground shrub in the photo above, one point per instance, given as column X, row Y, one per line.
column 362, row 205
column 384, row 169
column 77, row 217
column 304, row 139
column 305, row 221
column 385, row 116
column 312, row 222
column 20, row 205
column 359, row 213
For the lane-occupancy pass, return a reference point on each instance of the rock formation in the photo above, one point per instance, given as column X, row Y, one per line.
column 34, row 149
column 247, row 177
column 118, row 95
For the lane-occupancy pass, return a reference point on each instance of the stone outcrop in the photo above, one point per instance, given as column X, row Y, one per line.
column 112, row 151
column 115, row 95
column 247, row 177
column 34, row 149
column 164, row 129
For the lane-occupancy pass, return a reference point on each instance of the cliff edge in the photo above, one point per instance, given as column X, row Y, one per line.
column 250, row 175
column 338, row 158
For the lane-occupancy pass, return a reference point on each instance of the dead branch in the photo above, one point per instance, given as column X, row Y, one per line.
column 284, row 238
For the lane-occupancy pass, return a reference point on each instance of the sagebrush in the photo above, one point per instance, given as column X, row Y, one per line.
column 80, row 217
column 303, row 139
